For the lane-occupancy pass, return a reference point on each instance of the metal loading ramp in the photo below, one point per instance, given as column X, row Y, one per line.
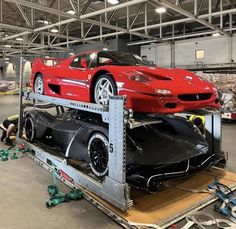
column 171, row 205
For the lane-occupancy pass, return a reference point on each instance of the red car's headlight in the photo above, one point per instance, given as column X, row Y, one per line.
column 138, row 77
column 217, row 93
column 215, row 90
column 163, row 92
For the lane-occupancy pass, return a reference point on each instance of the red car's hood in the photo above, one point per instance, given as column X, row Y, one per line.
column 175, row 74
column 174, row 79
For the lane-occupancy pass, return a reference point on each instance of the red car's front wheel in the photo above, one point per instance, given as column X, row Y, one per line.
column 38, row 85
column 104, row 87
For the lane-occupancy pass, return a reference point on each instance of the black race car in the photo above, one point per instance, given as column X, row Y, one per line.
column 169, row 147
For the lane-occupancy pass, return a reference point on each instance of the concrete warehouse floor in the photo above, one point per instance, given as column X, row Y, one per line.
column 23, row 189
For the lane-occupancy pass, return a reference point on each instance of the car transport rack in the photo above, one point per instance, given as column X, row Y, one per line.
column 113, row 196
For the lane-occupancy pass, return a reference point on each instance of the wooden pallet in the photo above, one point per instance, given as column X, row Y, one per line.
column 171, row 204
column 164, row 208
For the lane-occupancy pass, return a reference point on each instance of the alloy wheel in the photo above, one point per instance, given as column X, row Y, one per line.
column 38, row 85
column 103, row 90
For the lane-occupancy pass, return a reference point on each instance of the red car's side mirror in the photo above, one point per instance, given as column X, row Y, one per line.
column 84, row 64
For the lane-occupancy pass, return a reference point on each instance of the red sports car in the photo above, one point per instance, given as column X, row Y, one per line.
column 94, row 76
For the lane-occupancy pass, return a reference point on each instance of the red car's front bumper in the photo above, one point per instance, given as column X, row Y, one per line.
column 147, row 103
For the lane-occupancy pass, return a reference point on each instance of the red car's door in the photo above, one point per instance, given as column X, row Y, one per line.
column 75, row 80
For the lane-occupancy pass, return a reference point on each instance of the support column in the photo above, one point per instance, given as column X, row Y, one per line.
column 145, row 17
column 1, row 10
column 160, row 26
column 173, row 54
column 195, row 7
column 79, row 7
column 209, row 10
column 221, row 15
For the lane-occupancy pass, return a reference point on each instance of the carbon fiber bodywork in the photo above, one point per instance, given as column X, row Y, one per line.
column 171, row 147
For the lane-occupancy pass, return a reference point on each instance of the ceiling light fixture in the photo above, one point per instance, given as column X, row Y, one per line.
column 6, row 58
column 19, row 39
column 113, row 2
column 54, row 30
column 44, row 22
column 105, row 49
column 7, row 46
column 72, row 12
column 216, row 34
column 160, row 10
column 7, row 62
column 71, row 53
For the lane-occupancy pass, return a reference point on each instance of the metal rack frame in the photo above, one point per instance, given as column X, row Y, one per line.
column 113, row 188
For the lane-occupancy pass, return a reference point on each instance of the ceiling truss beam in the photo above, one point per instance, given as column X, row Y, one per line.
column 190, row 15
column 24, row 16
column 83, row 18
column 89, row 19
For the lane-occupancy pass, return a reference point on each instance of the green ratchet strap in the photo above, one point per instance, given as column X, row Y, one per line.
column 56, row 197
column 5, row 154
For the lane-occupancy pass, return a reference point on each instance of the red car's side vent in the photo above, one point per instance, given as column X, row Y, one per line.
column 195, row 97
column 55, row 88
column 158, row 77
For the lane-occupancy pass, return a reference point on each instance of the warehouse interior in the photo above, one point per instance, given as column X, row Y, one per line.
column 178, row 48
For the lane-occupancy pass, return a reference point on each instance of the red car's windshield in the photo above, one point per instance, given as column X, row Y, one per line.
column 120, row 58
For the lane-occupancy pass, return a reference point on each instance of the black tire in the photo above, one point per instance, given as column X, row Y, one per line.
column 112, row 83
column 30, row 129
column 98, row 154
column 37, row 78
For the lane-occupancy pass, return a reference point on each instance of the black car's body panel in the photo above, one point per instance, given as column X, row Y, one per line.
column 172, row 147
column 171, row 141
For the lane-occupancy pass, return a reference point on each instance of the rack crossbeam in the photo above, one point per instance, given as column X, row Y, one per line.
column 83, row 106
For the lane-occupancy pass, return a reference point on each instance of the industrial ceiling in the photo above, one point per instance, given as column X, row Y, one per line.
column 34, row 26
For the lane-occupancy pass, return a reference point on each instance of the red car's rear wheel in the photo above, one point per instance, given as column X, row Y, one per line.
column 38, row 85
column 104, row 87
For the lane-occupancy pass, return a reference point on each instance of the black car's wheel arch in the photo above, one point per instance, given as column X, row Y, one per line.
column 94, row 80
column 40, row 127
